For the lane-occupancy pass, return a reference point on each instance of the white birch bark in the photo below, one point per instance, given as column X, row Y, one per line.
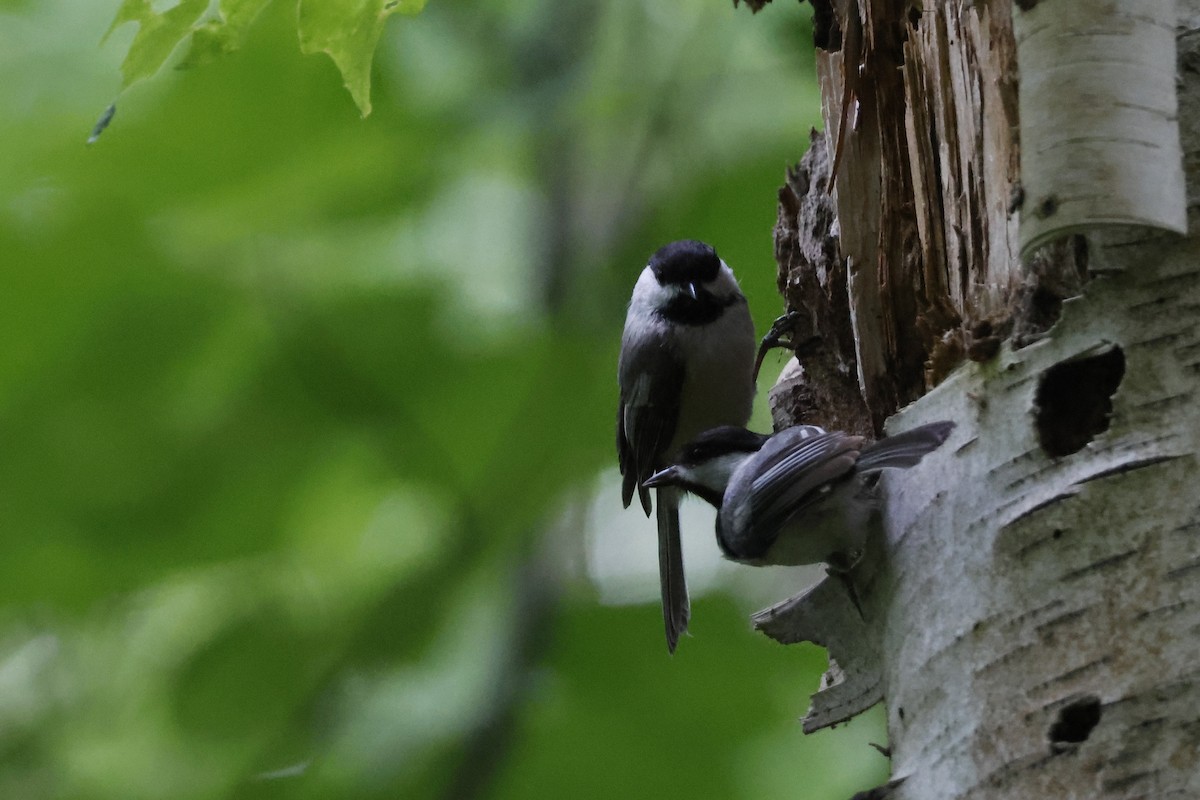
column 1032, row 610
column 1099, row 140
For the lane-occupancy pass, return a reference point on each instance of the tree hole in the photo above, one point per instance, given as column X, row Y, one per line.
column 1074, row 401
column 1075, row 721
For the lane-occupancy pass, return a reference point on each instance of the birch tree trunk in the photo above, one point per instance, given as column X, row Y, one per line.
column 1032, row 602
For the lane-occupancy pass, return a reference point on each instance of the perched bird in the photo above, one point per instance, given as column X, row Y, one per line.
column 686, row 364
column 801, row 496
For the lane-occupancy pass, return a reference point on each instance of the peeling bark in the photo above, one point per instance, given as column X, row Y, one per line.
column 1099, row 117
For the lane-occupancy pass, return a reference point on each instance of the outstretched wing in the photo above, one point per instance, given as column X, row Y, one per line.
column 651, row 378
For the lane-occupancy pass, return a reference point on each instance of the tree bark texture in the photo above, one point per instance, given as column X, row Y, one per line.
column 1031, row 605
column 1098, row 116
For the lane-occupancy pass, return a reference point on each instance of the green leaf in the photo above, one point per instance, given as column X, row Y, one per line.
column 130, row 11
column 348, row 30
column 158, row 34
column 225, row 34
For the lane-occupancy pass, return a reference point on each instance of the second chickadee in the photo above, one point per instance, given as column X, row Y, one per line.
column 801, row 496
column 686, row 365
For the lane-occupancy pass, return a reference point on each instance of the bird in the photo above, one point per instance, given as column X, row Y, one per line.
column 803, row 495
column 686, row 365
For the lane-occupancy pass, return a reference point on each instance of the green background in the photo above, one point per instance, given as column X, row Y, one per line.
column 307, row 480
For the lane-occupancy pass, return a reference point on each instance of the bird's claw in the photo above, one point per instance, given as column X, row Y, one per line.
column 781, row 334
column 839, row 566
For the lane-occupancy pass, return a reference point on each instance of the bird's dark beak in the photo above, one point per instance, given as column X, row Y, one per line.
column 666, row 477
column 691, row 290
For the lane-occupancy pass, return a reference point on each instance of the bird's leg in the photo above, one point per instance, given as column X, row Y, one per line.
column 781, row 334
column 838, row 566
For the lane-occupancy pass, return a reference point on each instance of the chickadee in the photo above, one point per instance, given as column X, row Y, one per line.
column 687, row 357
column 801, row 496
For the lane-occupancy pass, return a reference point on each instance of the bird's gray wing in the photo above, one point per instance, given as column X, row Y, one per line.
column 651, row 378
column 788, row 475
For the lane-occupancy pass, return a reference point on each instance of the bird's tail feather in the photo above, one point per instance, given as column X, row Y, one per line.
column 675, row 604
column 904, row 449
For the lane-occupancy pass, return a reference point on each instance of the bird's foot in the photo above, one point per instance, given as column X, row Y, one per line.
column 839, row 566
column 781, row 334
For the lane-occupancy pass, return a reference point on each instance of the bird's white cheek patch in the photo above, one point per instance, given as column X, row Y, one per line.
column 716, row 472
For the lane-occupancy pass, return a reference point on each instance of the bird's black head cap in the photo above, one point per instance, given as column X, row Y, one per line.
column 719, row 442
column 686, row 261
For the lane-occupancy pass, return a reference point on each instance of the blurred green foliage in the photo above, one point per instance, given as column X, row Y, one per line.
column 298, row 412
column 346, row 30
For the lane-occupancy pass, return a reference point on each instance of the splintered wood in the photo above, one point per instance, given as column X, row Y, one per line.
column 961, row 128
column 929, row 233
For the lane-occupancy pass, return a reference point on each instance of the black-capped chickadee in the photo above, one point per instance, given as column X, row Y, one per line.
column 801, row 496
column 687, row 357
